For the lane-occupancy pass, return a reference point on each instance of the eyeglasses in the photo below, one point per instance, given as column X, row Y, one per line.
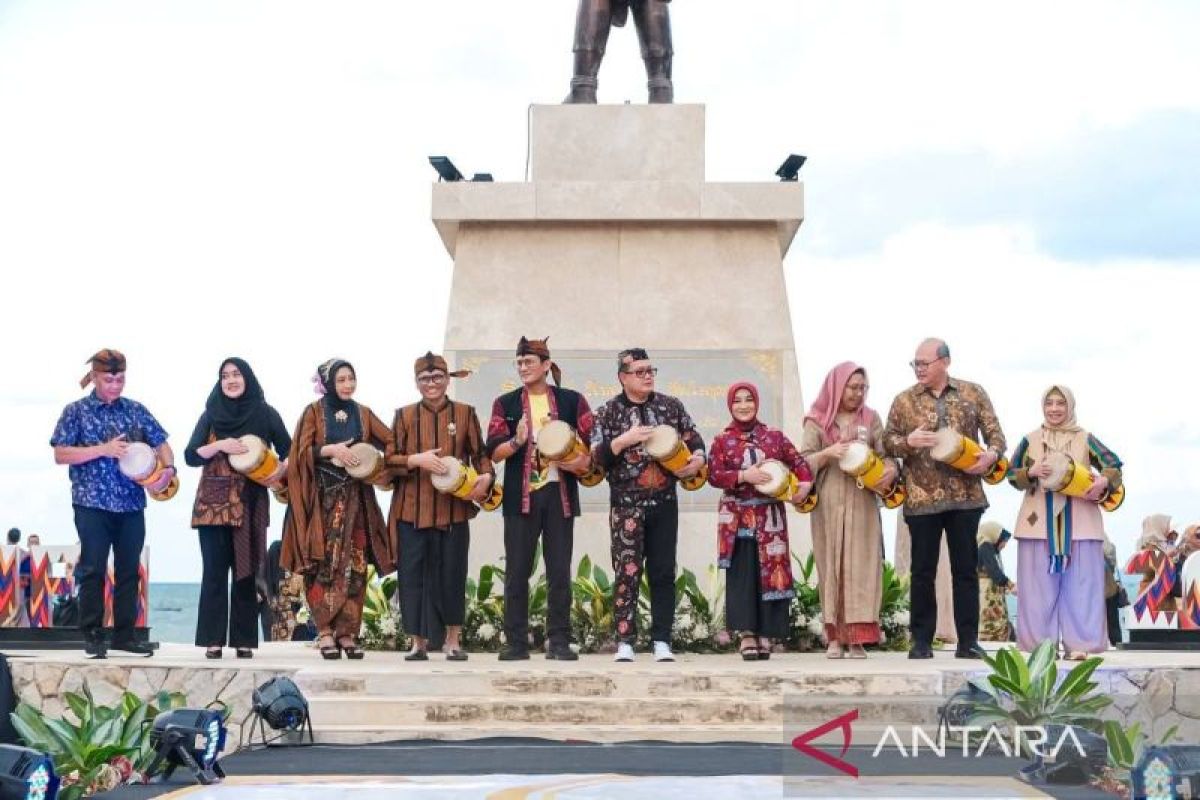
column 644, row 372
column 431, row 380
column 924, row 364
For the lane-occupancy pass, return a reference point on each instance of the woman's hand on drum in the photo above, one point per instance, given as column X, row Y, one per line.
column 579, row 465
column 801, row 494
column 922, row 438
column 428, row 461
column 233, row 447
column 341, row 451
column 890, row 473
column 276, row 479
column 983, row 463
column 115, row 447
column 691, row 468
column 755, row 476
column 481, row 489
column 836, row 451
column 1040, row 470
column 1098, row 490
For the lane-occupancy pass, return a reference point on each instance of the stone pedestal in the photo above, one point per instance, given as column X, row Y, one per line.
column 618, row 241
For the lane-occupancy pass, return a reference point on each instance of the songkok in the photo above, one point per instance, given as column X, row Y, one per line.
column 106, row 360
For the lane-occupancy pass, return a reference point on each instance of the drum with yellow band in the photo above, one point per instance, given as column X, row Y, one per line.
column 258, row 463
column 1067, row 477
column 666, row 446
column 783, row 485
column 142, row 466
column 956, row 450
column 459, row 481
column 557, row 441
column 370, row 466
column 863, row 463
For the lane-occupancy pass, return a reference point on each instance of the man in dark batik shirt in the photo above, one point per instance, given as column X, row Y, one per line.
column 644, row 517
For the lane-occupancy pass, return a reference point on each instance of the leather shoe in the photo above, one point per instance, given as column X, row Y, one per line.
column 970, row 651
column 514, row 654
column 561, row 652
column 920, row 651
column 134, row 648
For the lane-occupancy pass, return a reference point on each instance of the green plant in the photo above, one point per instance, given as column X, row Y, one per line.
column 591, row 606
column 1126, row 745
column 380, row 628
column 106, row 746
column 485, row 610
column 1028, row 692
column 894, row 609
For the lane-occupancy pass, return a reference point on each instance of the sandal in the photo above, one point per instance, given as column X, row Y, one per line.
column 857, row 651
column 212, row 652
column 416, row 655
column 748, row 653
column 330, row 651
column 352, row 650
column 245, row 652
column 454, row 654
column 834, row 650
column 764, row 650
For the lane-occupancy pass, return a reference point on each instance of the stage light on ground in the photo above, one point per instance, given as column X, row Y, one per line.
column 482, row 177
column 790, row 168
column 280, row 705
column 445, row 168
column 188, row 737
column 26, row 774
column 1167, row 773
column 1063, row 763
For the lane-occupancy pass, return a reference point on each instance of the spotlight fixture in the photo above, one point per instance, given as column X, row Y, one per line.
column 790, row 167
column 1066, row 764
column 191, row 738
column 482, row 177
column 26, row 774
column 445, row 168
column 1167, row 773
column 280, row 705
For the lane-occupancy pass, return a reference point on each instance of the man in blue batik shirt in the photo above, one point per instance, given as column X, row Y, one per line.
column 91, row 435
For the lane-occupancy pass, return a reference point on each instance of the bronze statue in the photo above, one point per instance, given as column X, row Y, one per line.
column 593, row 22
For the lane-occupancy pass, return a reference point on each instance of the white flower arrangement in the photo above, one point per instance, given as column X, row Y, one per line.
column 486, row 632
column 387, row 626
column 815, row 626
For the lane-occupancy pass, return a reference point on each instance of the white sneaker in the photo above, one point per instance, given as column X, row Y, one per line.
column 624, row 652
column 662, row 652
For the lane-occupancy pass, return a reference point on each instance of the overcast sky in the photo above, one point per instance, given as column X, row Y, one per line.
column 190, row 180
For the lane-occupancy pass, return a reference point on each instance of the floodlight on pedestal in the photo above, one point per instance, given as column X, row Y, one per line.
column 26, row 774
column 188, row 737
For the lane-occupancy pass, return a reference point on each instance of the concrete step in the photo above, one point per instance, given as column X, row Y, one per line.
column 631, row 682
column 451, row 711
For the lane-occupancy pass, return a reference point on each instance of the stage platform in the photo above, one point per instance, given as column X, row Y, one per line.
column 698, row 698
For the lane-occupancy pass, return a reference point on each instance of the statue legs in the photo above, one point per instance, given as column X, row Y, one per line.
column 653, row 21
column 593, row 21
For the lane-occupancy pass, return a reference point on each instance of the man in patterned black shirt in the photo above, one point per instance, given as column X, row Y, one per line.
column 644, row 517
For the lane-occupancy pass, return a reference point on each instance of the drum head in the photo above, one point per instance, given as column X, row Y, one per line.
column 451, row 480
column 554, row 441
column 256, row 451
column 368, row 460
column 662, row 441
column 779, row 476
column 857, row 455
column 1060, row 471
column 949, row 445
column 138, row 462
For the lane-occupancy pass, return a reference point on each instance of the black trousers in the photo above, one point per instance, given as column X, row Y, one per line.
column 122, row 533
column 545, row 520
column 1113, row 615
column 644, row 538
column 433, row 579
column 224, row 602
column 745, row 610
column 960, row 528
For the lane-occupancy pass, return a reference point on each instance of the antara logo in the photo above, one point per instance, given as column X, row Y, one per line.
column 801, row 743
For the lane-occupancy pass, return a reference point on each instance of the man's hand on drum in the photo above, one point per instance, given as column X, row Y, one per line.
column 1098, row 490
column 755, row 476
column 636, row 435
column 579, row 465
column 692, row 467
column 341, row 451
column 481, row 489
column 922, row 438
column 115, row 447
column 428, row 461
column 232, row 446
column 983, row 463
column 163, row 481
column 802, row 490
column 1040, row 470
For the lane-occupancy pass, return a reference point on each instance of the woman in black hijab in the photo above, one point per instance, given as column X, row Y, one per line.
column 231, row 511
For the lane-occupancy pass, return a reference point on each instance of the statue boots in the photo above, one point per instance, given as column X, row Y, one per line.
column 658, row 72
column 584, row 82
